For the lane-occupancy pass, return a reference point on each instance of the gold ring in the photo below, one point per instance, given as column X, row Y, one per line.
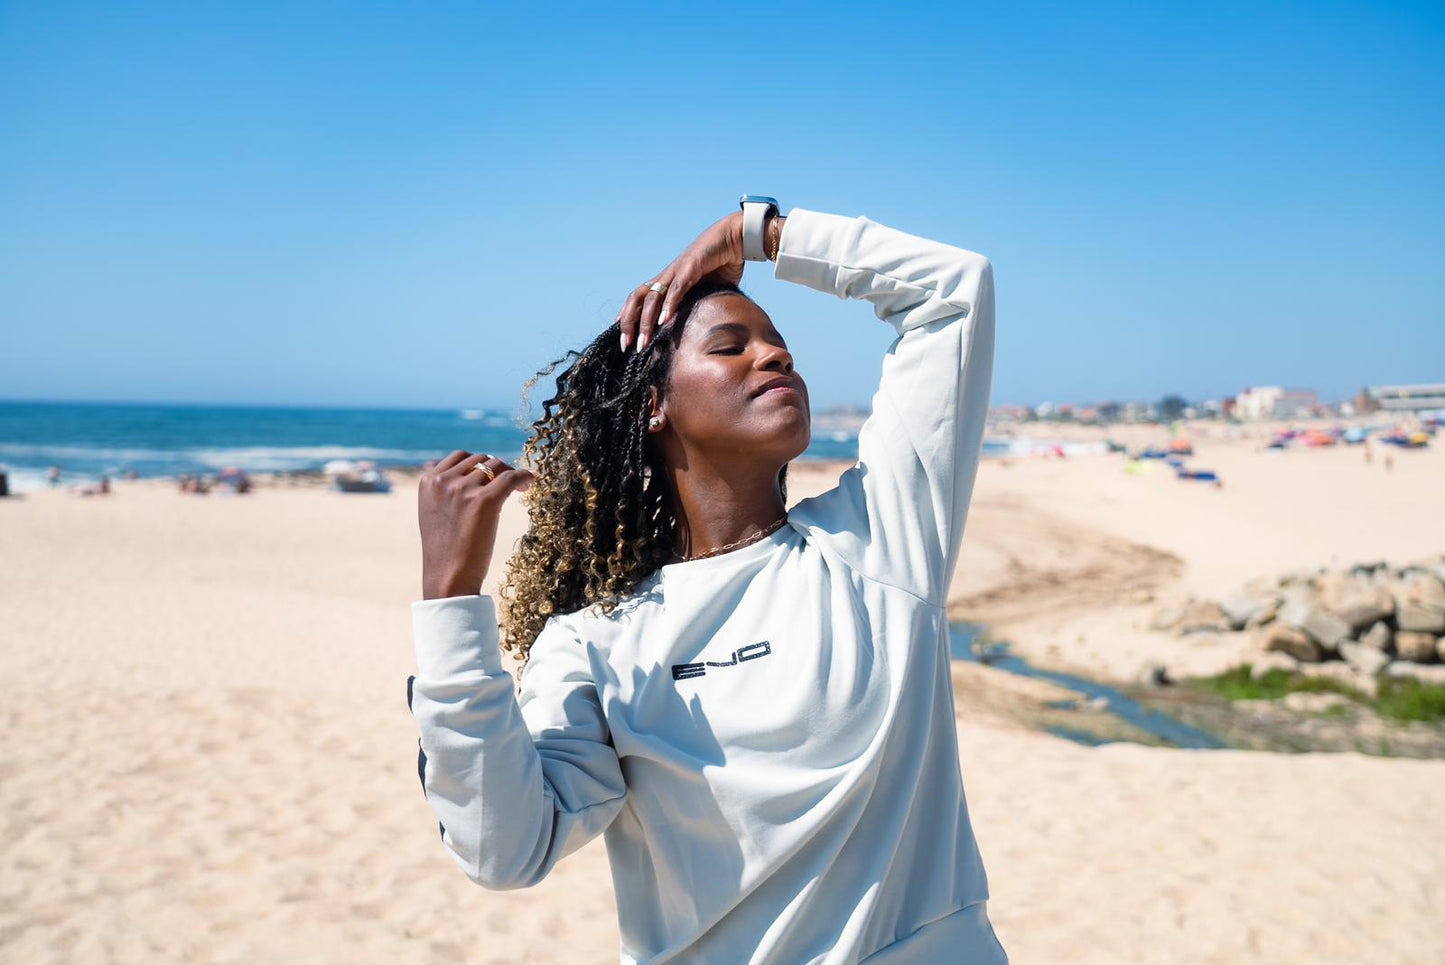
column 483, row 467
column 658, row 286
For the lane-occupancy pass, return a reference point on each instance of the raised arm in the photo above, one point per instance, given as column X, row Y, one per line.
column 899, row 514
column 520, row 781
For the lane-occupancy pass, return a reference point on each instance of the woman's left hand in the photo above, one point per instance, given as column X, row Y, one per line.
column 717, row 251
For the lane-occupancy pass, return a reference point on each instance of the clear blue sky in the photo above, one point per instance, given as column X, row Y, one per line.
column 421, row 204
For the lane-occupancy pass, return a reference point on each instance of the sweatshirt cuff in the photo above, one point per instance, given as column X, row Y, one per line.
column 814, row 247
column 455, row 635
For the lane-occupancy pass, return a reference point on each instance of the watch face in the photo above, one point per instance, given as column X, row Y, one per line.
column 759, row 198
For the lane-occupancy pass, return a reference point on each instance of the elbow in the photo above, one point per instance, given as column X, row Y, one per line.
column 498, row 869
column 495, row 876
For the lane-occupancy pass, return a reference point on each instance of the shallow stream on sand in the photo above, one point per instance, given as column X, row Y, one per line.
column 966, row 643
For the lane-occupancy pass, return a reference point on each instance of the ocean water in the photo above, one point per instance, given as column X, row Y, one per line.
column 89, row 439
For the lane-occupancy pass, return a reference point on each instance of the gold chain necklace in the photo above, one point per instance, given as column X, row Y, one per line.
column 756, row 536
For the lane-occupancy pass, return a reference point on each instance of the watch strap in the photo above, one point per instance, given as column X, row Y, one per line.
column 755, row 217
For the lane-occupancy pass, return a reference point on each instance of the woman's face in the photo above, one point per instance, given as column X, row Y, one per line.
column 714, row 404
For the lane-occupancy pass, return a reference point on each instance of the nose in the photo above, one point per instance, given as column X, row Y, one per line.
column 776, row 357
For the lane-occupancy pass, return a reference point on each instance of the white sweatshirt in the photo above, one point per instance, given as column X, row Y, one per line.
column 766, row 737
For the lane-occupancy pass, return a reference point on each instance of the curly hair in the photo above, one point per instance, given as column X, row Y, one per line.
column 601, row 513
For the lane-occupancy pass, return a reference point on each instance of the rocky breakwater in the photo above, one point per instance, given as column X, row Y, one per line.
column 1358, row 623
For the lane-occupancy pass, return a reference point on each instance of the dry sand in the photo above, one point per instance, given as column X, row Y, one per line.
column 207, row 755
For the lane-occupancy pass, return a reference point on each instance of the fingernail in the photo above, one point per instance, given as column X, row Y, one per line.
column 624, row 341
column 642, row 341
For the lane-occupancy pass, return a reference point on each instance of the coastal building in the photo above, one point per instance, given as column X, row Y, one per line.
column 1407, row 398
column 1275, row 402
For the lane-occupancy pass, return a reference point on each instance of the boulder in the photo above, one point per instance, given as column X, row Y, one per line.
column 1342, row 672
column 1368, row 569
column 1323, row 627
column 1364, row 606
column 1264, row 616
column 1428, row 591
column 1415, row 618
column 1364, row 658
column 1202, row 616
column 1240, row 608
column 1166, row 617
column 1415, row 647
column 1379, row 636
column 1283, row 638
column 1426, row 674
column 1273, row 660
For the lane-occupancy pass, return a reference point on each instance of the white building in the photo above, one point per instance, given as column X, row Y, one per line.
column 1408, row 398
column 1274, row 402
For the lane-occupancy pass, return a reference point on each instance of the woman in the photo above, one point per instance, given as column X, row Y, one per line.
column 755, row 705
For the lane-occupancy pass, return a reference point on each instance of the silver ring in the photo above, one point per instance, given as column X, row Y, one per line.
column 658, row 286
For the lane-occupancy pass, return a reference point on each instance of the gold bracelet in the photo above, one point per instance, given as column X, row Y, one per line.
column 777, row 242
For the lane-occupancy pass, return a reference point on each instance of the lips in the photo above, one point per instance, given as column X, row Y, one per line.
column 779, row 383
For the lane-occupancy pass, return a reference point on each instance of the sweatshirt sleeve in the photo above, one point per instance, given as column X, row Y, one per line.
column 898, row 514
column 518, row 780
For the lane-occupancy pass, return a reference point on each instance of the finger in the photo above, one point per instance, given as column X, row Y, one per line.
column 456, row 456
column 651, row 308
column 489, row 469
column 627, row 318
column 468, row 464
column 678, row 287
column 512, row 480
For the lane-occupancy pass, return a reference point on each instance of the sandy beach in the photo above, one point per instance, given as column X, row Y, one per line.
column 207, row 754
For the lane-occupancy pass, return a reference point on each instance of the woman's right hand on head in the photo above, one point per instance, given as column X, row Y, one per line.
column 718, row 250
column 458, row 508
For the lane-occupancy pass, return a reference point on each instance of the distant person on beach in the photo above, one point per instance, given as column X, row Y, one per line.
column 753, row 704
column 52, row 476
column 101, row 488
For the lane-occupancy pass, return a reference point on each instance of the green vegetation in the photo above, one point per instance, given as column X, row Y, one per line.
column 1238, row 684
column 1406, row 699
column 1401, row 699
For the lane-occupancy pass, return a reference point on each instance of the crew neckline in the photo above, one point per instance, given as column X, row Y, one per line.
column 742, row 554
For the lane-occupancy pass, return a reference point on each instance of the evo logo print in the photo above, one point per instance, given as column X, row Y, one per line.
column 682, row 671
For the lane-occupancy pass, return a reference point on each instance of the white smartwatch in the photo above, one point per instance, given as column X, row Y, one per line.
column 756, row 209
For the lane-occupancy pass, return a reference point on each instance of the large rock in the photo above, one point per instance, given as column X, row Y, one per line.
column 1380, row 637
column 1263, row 616
column 1166, row 616
column 1426, row 674
column 1364, row 658
column 1240, row 608
column 1323, row 627
column 1427, row 590
column 1287, row 639
column 1364, row 606
column 1413, row 617
column 1203, row 616
column 1368, row 569
column 1415, row 647
column 1274, row 660
column 1342, row 672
